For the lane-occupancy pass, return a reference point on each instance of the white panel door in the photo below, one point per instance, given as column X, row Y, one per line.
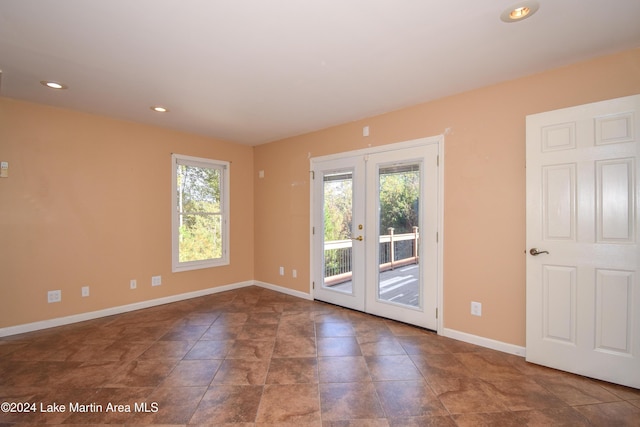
column 583, row 285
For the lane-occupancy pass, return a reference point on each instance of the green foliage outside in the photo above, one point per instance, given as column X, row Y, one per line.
column 399, row 196
column 338, row 201
column 399, row 200
column 201, row 239
column 199, row 206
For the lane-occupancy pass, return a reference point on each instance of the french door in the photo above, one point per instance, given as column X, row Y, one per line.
column 338, row 255
column 375, row 232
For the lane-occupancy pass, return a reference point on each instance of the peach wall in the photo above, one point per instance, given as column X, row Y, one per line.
column 484, row 223
column 88, row 202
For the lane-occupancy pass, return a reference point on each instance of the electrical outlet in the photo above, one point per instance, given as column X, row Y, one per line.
column 294, row 273
column 85, row 291
column 476, row 308
column 156, row 280
column 54, row 296
column 133, row 283
column 282, row 271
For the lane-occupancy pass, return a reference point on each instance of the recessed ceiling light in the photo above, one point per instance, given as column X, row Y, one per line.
column 53, row 85
column 160, row 109
column 520, row 11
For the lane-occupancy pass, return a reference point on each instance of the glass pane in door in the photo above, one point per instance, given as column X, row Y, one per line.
column 338, row 217
column 399, row 237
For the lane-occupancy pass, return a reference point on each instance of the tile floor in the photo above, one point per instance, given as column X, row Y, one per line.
column 254, row 357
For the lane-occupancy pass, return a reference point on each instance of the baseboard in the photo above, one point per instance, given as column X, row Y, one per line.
column 484, row 342
column 60, row 321
column 283, row 290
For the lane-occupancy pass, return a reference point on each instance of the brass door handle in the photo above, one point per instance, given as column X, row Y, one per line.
column 359, row 238
column 536, row 252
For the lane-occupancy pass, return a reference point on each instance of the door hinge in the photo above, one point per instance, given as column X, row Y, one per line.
column 313, row 285
column 436, row 312
column 437, row 237
column 438, row 160
column 313, row 230
column 313, row 174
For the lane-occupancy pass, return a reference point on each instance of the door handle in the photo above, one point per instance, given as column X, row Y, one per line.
column 359, row 238
column 536, row 252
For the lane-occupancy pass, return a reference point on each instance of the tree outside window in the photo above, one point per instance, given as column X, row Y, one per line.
column 200, row 236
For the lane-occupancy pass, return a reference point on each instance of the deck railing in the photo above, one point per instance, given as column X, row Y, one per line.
column 395, row 250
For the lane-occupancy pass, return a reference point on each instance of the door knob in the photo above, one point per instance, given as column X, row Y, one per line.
column 536, row 252
column 359, row 238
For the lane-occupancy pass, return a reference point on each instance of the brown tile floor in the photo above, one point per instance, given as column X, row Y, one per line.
column 254, row 357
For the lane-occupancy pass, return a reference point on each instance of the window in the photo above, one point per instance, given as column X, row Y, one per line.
column 200, row 213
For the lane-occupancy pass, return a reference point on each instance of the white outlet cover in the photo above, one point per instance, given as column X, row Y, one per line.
column 133, row 284
column 54, row 296
column 476, row 308
column 85, row 291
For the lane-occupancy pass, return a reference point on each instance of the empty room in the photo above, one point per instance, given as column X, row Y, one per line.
column 302, row 213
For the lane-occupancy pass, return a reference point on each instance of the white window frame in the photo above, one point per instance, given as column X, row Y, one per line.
column 176, row 265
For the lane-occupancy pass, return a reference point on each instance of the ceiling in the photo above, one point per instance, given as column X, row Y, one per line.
column 255, row 71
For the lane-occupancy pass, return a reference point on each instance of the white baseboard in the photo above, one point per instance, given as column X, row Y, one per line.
column 283, row 290
column 60, row 321
column 484, row 342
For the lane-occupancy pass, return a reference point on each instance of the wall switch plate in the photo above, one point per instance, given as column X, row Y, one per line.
column 282, row 271
column 476, row 308
column 85, row 291
column 4, row 169
column 54, row 296
column 133, row 283
column 156, row 280
column 294, row 273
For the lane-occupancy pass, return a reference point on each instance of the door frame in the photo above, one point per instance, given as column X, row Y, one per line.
column 439, row 141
